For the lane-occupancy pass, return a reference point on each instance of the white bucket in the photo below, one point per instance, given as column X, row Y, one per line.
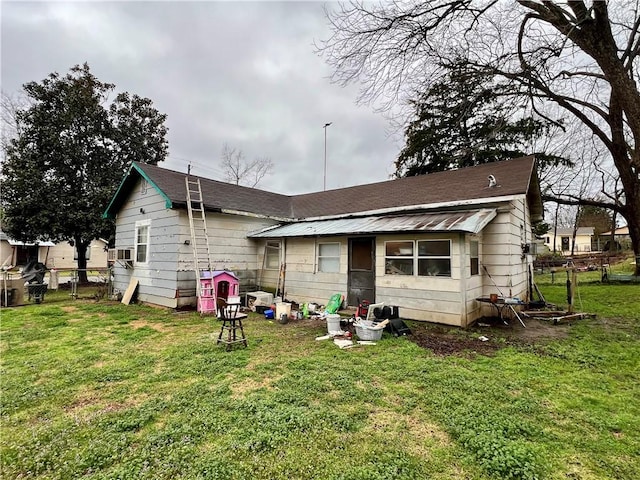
column 333, row 322
column 283, row 308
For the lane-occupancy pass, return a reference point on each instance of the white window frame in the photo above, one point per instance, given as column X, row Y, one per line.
column 433, row 257
column 140, row 224
column 270, row 246
column 400, row 256
column 328, row 257
column 472, row 257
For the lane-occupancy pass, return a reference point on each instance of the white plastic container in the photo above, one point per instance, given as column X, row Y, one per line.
column 365, row 330
column 260, row 299
column 333, row 322
column 283, row 308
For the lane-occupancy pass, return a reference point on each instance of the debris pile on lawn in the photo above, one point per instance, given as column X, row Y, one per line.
column 556, row 316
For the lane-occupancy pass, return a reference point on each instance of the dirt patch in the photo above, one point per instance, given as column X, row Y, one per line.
column 246, row 385
column 486, row 337
column 143, row 323
column 446, row 340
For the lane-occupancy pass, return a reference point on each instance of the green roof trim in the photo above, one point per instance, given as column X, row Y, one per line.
column 167, row 201
column 117, row 199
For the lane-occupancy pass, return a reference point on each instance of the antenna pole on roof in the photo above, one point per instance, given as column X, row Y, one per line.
column 324, row 186
column 189, row 169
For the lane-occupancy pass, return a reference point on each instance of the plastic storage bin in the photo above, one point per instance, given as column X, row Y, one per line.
column 365, row 330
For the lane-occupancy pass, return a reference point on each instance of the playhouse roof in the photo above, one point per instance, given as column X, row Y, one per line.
column 465, row 186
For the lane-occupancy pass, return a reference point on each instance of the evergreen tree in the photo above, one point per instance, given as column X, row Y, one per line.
column 462, row 121
column 69, row 155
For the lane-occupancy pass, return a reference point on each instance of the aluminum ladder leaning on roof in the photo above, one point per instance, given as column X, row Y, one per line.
column 199, row 233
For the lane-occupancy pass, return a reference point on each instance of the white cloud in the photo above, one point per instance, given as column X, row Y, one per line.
column 235, row 72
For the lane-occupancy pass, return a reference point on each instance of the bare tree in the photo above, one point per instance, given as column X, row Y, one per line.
column 237, row 169
column 576, row 60
column 10, row 105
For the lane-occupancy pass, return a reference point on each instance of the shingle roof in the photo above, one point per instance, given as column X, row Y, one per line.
column 219, row 195
column 514, row 177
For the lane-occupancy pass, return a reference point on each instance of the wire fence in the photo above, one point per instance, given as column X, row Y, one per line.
column 57, row 285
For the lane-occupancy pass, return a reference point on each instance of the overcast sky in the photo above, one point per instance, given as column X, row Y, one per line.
column 244, row 73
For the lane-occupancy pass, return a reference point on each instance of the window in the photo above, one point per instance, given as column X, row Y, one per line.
column 142, row 241
column 272, row 255
column 143, row 187
column 329, row 257
column 398, row 258
column 434, row 258
column 475, row 258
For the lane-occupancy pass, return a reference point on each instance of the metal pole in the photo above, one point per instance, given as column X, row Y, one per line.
column 324, row 187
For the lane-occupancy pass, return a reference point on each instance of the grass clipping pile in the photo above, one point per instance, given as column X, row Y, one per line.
column 484, row 339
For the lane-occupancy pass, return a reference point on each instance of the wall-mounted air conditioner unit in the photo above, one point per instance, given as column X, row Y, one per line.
column 123, row 256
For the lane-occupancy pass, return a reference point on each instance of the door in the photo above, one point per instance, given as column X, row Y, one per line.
column 362, row 272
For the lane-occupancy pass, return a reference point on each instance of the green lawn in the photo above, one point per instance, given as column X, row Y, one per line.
column 99, row 390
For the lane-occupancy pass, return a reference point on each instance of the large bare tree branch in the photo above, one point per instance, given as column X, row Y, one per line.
column 574, row 59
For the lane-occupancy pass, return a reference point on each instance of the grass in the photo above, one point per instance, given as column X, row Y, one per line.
column 99, row 390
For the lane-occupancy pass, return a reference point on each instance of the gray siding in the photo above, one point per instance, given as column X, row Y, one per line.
column 502, row 253
column 435, row 299
column 439, row 299
column 169, row 278
column 158, row 278
column 303, row 282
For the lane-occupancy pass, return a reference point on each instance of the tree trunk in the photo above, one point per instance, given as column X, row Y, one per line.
column 81, row 248
column 634, row 233
column 612, row 236
column 575, row 232
column 632, row 216
column 555, row 228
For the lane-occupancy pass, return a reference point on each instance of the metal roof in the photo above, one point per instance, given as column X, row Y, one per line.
column 457, row 221
column 34, row 244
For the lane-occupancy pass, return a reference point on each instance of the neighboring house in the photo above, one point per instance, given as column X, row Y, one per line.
column 426, row 244
column 53, row 255
column 63, row 255
column 564, row 241
column 17, row 254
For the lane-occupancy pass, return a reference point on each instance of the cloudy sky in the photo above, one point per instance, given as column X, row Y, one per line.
column 241, row 73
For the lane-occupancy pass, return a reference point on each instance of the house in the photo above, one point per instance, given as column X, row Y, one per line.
column 564, row 241
column 54, row 255
column 430, row 245
column 14, row 253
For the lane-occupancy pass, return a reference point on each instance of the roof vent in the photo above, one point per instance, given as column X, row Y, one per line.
column 492, row 181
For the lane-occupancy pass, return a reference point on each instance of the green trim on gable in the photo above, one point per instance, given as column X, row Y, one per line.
column 125, row 185
column 167, row 201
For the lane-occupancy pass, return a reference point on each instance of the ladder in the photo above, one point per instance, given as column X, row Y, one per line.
column 198, row 227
